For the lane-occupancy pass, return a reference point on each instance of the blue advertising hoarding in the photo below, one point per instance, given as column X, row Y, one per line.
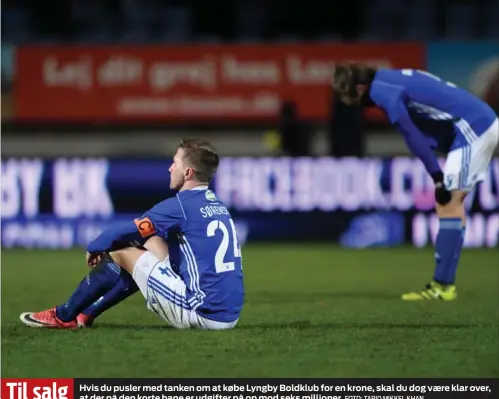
column 63, row 203
column 473, row 66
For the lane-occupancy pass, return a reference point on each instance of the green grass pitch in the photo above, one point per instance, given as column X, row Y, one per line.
column 311, row 311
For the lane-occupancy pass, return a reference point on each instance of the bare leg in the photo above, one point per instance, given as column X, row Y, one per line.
column 125, row 286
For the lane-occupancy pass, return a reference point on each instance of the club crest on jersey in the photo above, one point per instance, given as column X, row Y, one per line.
column 210, row 195
column 145, row 226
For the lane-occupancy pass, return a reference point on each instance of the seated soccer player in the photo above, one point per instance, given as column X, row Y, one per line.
column 432, row 115
column 199, row 284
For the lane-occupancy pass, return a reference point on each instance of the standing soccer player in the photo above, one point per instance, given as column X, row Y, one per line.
column 432, row 115
column 199, row 284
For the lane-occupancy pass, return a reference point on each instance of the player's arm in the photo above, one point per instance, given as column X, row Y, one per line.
column 391, row 96
column 115, row 237
column 415, row 140
column 158, row 220
column 419, row 146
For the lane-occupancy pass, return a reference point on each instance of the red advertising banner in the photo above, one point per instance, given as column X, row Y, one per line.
column 219, row 83
column 38, row 388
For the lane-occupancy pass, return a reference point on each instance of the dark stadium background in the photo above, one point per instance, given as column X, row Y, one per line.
column 335, row 216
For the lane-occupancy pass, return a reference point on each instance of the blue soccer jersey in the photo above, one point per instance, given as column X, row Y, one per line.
column 431, row 113
column 203, row 249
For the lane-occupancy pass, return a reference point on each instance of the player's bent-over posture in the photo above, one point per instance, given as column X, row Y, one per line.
column 432, row 115
column 197, row 280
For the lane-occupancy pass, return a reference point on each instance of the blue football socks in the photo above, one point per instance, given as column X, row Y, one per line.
column 124, row 288
column 100, row 280
column 448, row 246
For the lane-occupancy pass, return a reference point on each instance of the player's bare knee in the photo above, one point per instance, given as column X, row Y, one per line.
column 458, row 197
column 453, row 209
column 157, row 246
column 448, row 210
column 126, row 258
column 116, row 256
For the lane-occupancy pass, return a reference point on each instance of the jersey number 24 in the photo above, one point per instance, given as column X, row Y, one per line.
column 223, row 250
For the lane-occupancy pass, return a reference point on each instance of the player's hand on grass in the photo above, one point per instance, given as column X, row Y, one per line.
column 93, row 258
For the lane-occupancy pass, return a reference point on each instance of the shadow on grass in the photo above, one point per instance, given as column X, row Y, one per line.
column 306, row 325
column 288, row 297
